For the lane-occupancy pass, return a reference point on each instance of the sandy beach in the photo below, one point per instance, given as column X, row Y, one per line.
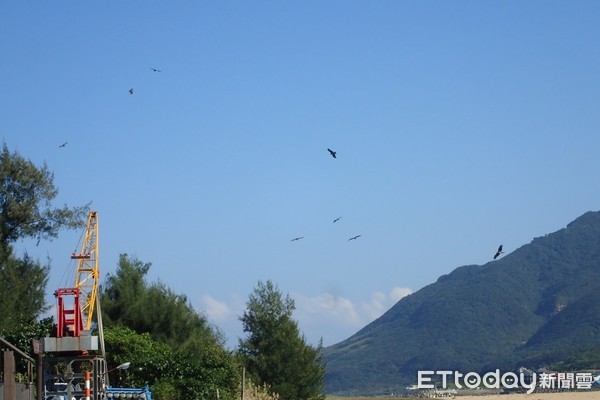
column 576, row 395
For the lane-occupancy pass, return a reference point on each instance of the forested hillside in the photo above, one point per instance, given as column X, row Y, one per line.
column 536, row 306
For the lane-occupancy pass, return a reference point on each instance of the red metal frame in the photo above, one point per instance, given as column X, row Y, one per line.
column 70, row 322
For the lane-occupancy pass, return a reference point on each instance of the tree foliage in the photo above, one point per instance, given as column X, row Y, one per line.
column 26, row 196
column 26, row 212
column 149, row 359
column 275, row 353
column 535, row 306
column 22, row 286
column 172, row 348
column 23, row 334
column 153, row 308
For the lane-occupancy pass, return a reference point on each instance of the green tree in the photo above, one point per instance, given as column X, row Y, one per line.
column 26, row 212
column 26, row 196
column 22, row 286
column 188, row 361
column 22, row 335
column 170, row 374
column 275, row 353
column 153, row 308
column 124, row 294
column 149, row 359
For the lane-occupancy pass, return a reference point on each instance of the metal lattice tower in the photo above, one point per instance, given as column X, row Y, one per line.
column 88, row 272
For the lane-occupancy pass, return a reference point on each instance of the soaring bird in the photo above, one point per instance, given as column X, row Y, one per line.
column 131, row 91
column 155, row 70
column 297, row 238
column 498, row 252
column 64, row 144
column 354, row 237
column 337, row 219
column 333, row 153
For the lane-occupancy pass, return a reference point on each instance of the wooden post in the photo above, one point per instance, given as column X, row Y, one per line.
column 40, row 383
column 243, row 381
column 38, row 351
column 10, row 387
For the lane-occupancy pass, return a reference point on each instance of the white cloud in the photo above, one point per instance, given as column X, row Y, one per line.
column 336, row 309
column 215, row 310
column 325, row 316
column 380, row 303
column 335, row 318
column 376, row 307
column 398, row 293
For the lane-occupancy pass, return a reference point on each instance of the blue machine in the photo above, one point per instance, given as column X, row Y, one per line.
column 128, row 393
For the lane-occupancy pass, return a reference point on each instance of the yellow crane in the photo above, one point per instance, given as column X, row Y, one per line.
column 77, row 365
column 72, row 321
column 88, row 272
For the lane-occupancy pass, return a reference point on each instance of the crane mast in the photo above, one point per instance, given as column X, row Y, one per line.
column 78, row 320
column 69, row 361
column 88, row 273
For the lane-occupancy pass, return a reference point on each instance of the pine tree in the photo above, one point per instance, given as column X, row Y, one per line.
column 153, row 308
column 275, row 353
column 26, row 212
column 22, row 286
column 26, row 194
column 183, row 354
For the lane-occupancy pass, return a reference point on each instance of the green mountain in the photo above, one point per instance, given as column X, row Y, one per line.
column 537, row 306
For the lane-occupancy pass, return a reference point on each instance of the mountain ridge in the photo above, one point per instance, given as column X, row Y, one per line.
column 529, row 306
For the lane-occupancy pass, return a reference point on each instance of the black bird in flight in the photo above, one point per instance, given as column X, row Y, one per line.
column 155, row 70
column 297, row 238
column 333, row 153
column 64, row 144
column 131, row 91
column 354, row 237
column 498, row 252
column 337, row 219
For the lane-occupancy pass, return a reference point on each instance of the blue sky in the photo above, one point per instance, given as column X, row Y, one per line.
column 458, row 126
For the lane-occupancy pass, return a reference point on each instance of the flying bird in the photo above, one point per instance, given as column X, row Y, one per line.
column 337, row 219
column 155, row 70
column 297, row 238
column 64, row 144
column 131, row 91
column 498, row 252
column 333, row 153
column 354, row 237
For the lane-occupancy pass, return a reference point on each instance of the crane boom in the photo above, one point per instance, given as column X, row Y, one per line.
column 66, row 359
column 88, row 272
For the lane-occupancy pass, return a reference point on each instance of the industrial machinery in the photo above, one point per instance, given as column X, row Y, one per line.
column 77, row 321
column 73, row 361
column 128, row 393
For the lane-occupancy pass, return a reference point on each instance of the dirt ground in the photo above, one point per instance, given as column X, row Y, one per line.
column 575, row 395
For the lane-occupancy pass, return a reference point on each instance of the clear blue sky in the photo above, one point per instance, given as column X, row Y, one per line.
column 458, row 126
